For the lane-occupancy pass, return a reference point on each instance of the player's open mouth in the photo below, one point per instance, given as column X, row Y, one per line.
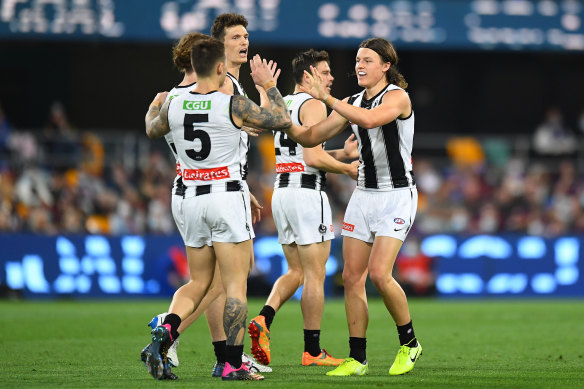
column 243, row 52
column 361, row 74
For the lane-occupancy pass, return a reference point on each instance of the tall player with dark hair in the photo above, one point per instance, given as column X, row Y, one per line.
column 206, row 127
column 231, row 30
column 302, row 215
column 383, row 206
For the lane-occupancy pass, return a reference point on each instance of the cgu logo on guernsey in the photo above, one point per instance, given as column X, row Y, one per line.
column 289, row 167
column 197, row 105
column 217, row 173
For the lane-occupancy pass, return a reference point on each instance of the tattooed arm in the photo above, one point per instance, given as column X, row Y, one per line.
column 245, row 111
column 157, row 121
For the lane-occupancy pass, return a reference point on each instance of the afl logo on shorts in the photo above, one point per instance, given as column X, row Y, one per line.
column 322, row 229
column 398, row 220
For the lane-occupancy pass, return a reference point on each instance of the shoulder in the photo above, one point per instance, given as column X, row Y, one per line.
column 396, row 94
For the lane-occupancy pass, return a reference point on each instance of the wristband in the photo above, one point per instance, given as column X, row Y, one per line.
column 269, row 84
column 335, row 103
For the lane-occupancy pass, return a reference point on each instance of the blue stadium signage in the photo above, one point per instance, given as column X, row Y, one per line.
column 439, row 24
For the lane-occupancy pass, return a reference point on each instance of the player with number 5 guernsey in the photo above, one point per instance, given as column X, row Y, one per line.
column 205, row 125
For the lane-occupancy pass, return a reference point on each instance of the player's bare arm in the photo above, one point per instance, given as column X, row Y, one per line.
column 314, row 135
column 312, row 112
column 349, row 151
column 247, row 112
column 395, row 103
column 157, row 121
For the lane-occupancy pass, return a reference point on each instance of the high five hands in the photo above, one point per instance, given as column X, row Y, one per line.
column 316, row 89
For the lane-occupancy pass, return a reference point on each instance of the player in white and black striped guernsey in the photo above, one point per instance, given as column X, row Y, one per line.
column 204, row 124
column 383, row 206
column 181, row 56
column 231, row 29
column 302, row 215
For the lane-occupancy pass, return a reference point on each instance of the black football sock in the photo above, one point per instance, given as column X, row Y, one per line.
column 269, row 313
column 219, row 348
column 233, row 355
column 358, row 348
column 173, row 320
column 312, row 342
column 406, row 335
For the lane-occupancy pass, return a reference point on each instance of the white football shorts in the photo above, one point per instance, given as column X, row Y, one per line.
column 302, row 216
column 216, row 217
column 380, row 213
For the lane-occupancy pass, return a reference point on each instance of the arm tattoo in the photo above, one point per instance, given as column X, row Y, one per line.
column 234, row 320
column 274, row 118
column 157, row 121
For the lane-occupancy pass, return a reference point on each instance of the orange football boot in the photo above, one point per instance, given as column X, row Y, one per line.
column 260, row 339
column 323, row 359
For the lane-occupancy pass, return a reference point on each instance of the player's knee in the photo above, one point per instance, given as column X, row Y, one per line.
column 297, row 275
column 351, row 278
column 379, row 278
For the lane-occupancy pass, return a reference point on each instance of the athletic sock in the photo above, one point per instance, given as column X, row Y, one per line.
column 312, row 342
column 406, row 335
column 173, row 320
column 269, row 313
column 233, row 355
column 358, row 348
column 219, row 348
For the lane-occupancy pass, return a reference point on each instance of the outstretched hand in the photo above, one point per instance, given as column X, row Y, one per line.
column 263, row 72
column 315, row 88
column 354, row 169
column 351, row 147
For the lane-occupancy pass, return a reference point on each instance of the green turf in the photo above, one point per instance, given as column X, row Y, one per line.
column 470, row 343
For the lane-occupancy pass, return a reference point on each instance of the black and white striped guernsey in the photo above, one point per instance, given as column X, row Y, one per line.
column 244, row 143
column 178, row 185
column 385, row 152
column 292, row 171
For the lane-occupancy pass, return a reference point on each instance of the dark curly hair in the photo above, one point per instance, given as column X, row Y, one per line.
column 304, row 60
column 181, row 52
column 223, row 21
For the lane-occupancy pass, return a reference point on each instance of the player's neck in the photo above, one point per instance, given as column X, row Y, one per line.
column 206, row 85
column 233, row 69
column 375, row 89
column 188, row 79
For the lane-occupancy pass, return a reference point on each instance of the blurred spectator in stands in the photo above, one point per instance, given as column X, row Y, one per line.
column 62, row 140
column 465, row 152
column 414, row 270
column 552, row 137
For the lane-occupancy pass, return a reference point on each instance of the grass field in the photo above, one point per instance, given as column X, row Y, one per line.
column 468, row 343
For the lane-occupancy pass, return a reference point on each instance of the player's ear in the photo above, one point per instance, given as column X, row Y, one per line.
column 220, row 68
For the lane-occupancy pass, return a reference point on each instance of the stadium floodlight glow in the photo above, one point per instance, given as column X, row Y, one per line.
column 110, row 284
column 447, row 283
column 567, row 250
column 567, row 275
column 14, row 275
column 543, row 283
column 531, row 247
column 439, row 246
column 133, row 246
column 64, row 247
column 133, row 284
column 485, row 246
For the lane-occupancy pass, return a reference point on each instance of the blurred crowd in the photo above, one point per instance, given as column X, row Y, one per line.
column 58, row 180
